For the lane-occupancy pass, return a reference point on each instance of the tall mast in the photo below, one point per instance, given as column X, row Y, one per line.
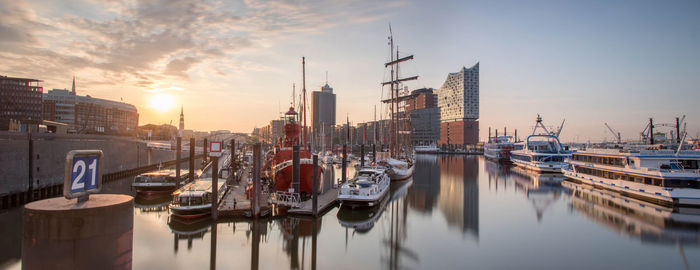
column 393, row 125
column 303, row 91
column 395, row 80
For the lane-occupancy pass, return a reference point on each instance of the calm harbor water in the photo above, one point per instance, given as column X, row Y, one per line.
column 457, row 212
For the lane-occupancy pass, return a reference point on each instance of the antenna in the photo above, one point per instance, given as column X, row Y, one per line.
column 326, row 77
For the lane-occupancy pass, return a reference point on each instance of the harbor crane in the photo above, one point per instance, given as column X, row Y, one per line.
column 615, row 133
column 556, row 133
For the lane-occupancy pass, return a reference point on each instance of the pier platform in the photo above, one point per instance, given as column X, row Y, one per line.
column 325, row 200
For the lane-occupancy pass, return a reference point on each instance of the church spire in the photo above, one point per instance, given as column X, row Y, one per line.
column 182, row 120
column 73, row 88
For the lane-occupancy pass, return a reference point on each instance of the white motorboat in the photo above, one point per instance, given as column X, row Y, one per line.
column 664, row 177
column 158, row 182
column 399, row 169
column 541, row 152
column 426, row 149
column 367, row 188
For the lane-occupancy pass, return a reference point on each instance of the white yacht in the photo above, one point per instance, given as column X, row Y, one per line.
column 541, row 152
column 367, row 188
column 664, row 177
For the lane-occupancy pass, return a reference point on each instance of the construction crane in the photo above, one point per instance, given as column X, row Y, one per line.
column 615, row 133
column 560, row 128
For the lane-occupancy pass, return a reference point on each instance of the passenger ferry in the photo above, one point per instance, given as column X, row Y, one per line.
column 499, row 147
column 541, row 152
column 158, row 182
column 426, row 149
column 367, row 188
column 664, row 177
column 194, row 200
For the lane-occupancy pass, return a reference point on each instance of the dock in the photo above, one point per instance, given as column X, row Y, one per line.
column 325, row 200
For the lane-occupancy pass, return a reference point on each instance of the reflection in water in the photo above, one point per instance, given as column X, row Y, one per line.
column 153, row 205
column 634, row 218
column 361, row 219
column 188, row 230
column 650, row 223
column 542, row 190
column 393, row 241
column 459, row 192
column 293, row 229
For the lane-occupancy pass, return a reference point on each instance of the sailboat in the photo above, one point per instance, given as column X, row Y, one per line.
column 399, row 163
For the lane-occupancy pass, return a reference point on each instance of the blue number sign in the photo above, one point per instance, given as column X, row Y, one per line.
column 83, row 173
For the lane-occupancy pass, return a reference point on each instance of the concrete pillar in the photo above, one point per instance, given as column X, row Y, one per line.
column 96, row 234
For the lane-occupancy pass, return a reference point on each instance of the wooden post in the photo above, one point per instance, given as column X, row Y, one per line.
column 191, row 176
column 374, row 153
column 314, row 186
column 212, row 249
column 343, row 177
column 215, row 187
column 178, row 155
column 296, row 172
column 256, row 180
column 362, row 155
column 204, row 159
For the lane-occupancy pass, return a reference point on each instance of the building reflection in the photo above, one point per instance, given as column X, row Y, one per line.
column 426, row 184
column 459, row 192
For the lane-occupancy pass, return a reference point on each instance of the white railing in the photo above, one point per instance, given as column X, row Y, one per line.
column 286, row 198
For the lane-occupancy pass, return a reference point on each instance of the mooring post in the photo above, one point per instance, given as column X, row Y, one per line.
column 374, row 154
column 343, row 177
column 296, row 172
column 212, row 249
column 178, row 155
column 30, row 186
column 204, row 159
column 314, row 186
column 215, row 187
column 191, row 169
column 362, row 155
column 256, row 180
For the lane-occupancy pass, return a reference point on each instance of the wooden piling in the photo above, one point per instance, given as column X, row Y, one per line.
column 314, row 188
column 192, row 154
column 178, row 155
column 362, row 155
column 256, row 180
column 344, row 177
column 214, row 187
column 374, row 153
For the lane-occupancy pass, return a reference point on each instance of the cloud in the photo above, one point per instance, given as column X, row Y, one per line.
column 140, row 43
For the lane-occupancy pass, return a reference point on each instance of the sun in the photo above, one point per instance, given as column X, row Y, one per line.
column 162, row 102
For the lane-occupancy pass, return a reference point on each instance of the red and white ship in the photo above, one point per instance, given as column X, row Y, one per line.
column 280, row 164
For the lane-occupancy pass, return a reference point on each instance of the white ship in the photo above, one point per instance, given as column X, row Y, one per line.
column 541, row 152
column 664, row 177
column 367, row 188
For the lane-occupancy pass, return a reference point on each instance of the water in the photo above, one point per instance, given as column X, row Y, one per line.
column 457, row 212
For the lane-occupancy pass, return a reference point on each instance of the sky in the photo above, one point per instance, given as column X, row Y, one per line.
column 231, row 64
